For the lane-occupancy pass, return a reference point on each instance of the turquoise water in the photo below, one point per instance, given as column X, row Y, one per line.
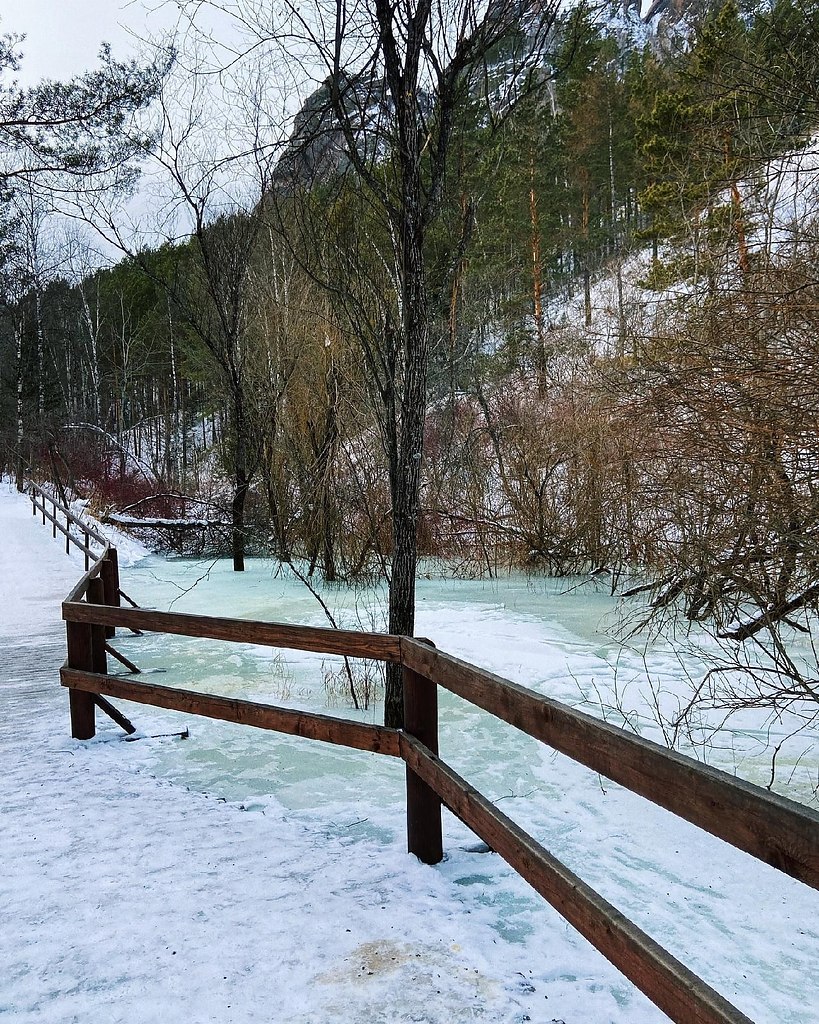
column 728, row 917
column 554, row 636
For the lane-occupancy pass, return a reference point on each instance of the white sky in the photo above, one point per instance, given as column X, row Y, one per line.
column 63, row 37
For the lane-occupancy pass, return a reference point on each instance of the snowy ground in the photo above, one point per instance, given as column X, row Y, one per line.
column 240, row 876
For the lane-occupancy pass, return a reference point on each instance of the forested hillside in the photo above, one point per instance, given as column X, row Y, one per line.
column 618, row 271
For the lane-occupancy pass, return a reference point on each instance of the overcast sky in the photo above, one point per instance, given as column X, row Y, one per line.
column 63, row 37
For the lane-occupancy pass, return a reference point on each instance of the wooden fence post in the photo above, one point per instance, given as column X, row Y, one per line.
column 81, row 705
column 109, row 572
column 424, row 837
column 54, row 522
column 99, row 659
column 67, row 534
column 87, row 559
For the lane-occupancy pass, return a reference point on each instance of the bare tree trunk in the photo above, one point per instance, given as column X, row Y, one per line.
column 18, row 338
column 92, row 327
column 621, row 314
column 241, row 485
column 739, row 229
column 173, row 429
column 405, row 476
column 537, row 276
column 238, row 519
column 587, row 305
column 38, row 312
column 328, row 454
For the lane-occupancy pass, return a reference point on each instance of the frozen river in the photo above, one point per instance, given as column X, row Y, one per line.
column 749, row 931
column 554, row 636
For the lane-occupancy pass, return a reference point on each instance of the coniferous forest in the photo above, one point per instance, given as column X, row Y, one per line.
column 537, row 293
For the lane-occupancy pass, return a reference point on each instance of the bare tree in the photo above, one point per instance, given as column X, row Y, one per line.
column 391, row 78
column 717, row 479
column 210, row 195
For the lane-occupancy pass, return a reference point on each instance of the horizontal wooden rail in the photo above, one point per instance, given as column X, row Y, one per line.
column 669, row 984
column 774, row 829
column 67, row 532
column 81, row 587
column 359, row 735
column 376, row 646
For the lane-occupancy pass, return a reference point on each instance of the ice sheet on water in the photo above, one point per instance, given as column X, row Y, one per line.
column 731, row 919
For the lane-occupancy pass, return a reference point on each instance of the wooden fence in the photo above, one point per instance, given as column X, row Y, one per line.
column 773, row 829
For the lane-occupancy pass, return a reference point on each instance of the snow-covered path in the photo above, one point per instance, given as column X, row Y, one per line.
column 125, row 898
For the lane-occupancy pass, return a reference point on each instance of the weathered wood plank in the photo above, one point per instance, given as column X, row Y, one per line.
column 109, row 574
column 424, row 837
column 374, row 738
column 80, row 657
column 778, row 831
column 377, row 646
column 670, row 985
column 96, row 595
